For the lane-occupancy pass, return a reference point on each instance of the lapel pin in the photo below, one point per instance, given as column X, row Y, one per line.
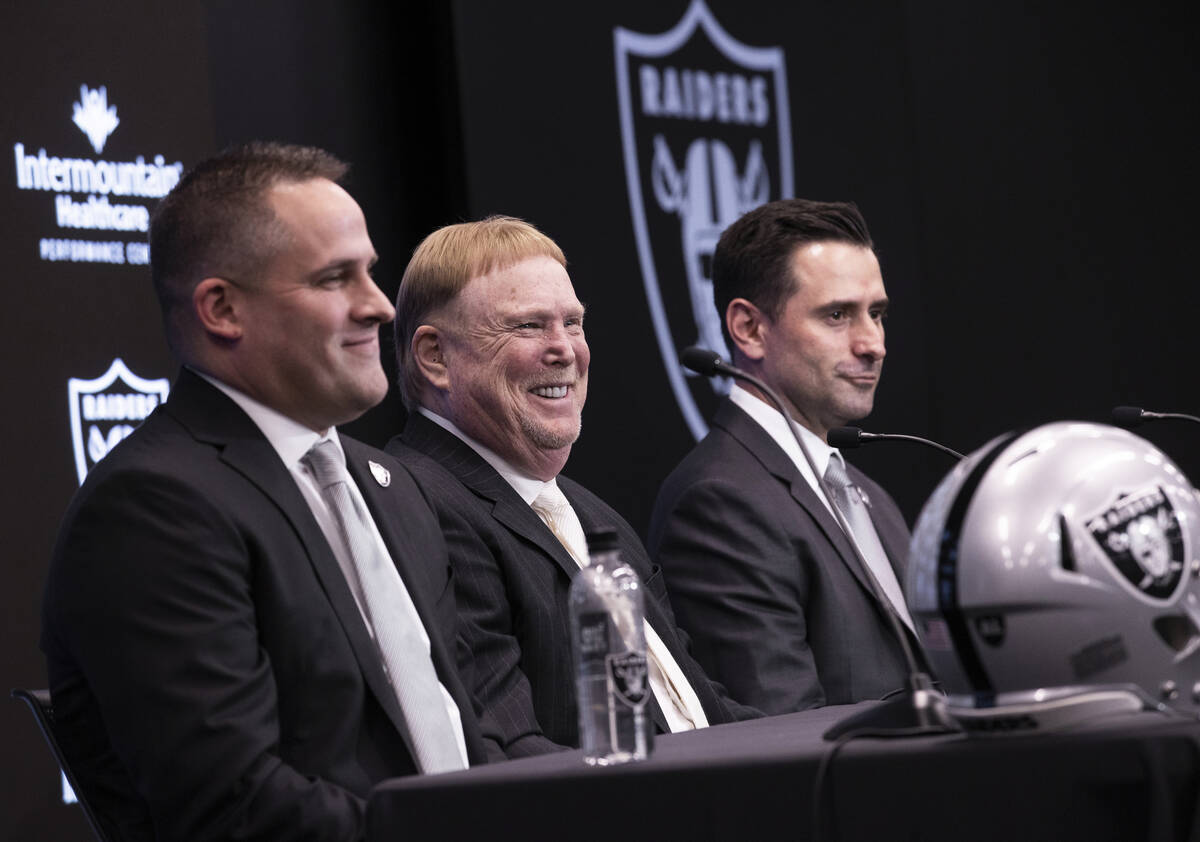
column 382, row 475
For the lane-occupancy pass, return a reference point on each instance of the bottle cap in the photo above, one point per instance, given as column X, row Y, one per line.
column 603, row 540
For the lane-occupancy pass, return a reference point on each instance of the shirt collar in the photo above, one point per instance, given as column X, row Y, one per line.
column 777, row 428
column 290, row 438
column 527, row 487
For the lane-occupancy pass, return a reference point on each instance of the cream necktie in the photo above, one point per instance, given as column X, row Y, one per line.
column 405, row 656
column 849, row 500
column 676, row 698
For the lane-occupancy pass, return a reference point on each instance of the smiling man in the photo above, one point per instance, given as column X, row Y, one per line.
column 762, row 576
column 248, row 619
column 494, row 370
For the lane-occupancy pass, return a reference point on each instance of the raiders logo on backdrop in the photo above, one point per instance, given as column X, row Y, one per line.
column 1140, row 535
column 706, row 136
column 107, row 409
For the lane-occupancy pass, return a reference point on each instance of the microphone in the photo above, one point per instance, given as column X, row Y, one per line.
column 919, row 708
column 706, row 362
column 848, row 438
column 1133, row 416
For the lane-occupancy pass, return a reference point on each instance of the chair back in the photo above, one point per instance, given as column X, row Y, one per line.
column 42, row 709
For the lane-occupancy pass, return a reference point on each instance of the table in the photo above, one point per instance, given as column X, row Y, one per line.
column 1128, row 778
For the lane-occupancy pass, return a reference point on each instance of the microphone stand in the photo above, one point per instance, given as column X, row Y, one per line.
column 919, row 708
column 851, row 437
column 1133, row 416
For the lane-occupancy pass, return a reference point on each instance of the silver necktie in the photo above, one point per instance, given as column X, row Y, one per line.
column 406, row 658
column 848, row 498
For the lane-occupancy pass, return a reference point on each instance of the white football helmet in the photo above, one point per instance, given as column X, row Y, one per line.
column 1057, row 564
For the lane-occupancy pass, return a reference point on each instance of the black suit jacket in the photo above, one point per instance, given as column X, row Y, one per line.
column 765, row 582
column 211, row 674
column 512, row 579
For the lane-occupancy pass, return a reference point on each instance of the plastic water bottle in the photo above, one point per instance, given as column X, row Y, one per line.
column 606, row 605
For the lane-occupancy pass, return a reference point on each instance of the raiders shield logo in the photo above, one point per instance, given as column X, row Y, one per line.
column 707, row 137
column 628, row 675
column 106, row 410
column 1140, row 535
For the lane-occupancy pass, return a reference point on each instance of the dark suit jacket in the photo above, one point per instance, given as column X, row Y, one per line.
column 512, row 578
column 211, row 674
column 765, row 582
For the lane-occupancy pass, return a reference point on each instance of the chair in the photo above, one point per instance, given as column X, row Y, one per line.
column 43, row 711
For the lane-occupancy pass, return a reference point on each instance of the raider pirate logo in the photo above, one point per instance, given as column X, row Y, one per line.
column 707, row 137
column 1140, row 534
column 628, row 674
column 105, row 410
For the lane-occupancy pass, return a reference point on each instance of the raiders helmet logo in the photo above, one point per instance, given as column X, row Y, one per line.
column 1141, row 537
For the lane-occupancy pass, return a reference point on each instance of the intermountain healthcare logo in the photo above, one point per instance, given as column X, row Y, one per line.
column 95, row 117
column 706, row 136
column 105, row 410
column 95, row 181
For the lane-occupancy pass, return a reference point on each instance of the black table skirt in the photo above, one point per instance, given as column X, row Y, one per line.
column 1129, row 778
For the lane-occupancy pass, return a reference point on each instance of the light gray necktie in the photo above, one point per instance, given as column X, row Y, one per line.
column 849, row 500
column 405, row 656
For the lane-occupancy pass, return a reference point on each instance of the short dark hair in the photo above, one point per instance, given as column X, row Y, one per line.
column 753, row 257
column 216, row 222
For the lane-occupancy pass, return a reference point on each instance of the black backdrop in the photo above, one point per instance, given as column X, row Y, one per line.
column 1028, row 177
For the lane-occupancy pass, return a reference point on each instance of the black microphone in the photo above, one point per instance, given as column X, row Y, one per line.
column 706, row 362
column 920, row 708
column 1133, row 416
column 848, row 438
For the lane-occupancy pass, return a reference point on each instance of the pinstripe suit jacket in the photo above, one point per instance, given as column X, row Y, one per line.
column 511, row 582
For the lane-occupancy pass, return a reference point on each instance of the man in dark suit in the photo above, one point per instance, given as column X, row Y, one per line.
column 762, row 576
column 494, row 370
column 218, row 667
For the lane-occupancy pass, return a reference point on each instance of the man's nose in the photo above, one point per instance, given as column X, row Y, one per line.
column 560, row 345
column 370, row 304
column 868, row 339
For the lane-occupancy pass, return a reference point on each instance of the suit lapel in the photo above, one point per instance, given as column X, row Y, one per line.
column 214, row 418
column 755, row 439
column 476, row 474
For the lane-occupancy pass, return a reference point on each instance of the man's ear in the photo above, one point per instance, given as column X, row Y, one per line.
column 747, row 326
column 215, row 303
column 429, row 354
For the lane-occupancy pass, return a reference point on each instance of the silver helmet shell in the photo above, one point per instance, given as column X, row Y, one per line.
column 1066, row 556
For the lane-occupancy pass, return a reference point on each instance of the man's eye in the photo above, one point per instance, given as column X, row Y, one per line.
column 837, row 315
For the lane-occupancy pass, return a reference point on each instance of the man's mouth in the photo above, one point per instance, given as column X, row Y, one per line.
column 550, row 391
column 863, row 378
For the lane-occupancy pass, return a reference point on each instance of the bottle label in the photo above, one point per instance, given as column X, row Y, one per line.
column 628, row 674
column 593, row 635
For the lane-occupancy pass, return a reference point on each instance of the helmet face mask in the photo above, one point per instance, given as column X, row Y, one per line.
column 1064, row 557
